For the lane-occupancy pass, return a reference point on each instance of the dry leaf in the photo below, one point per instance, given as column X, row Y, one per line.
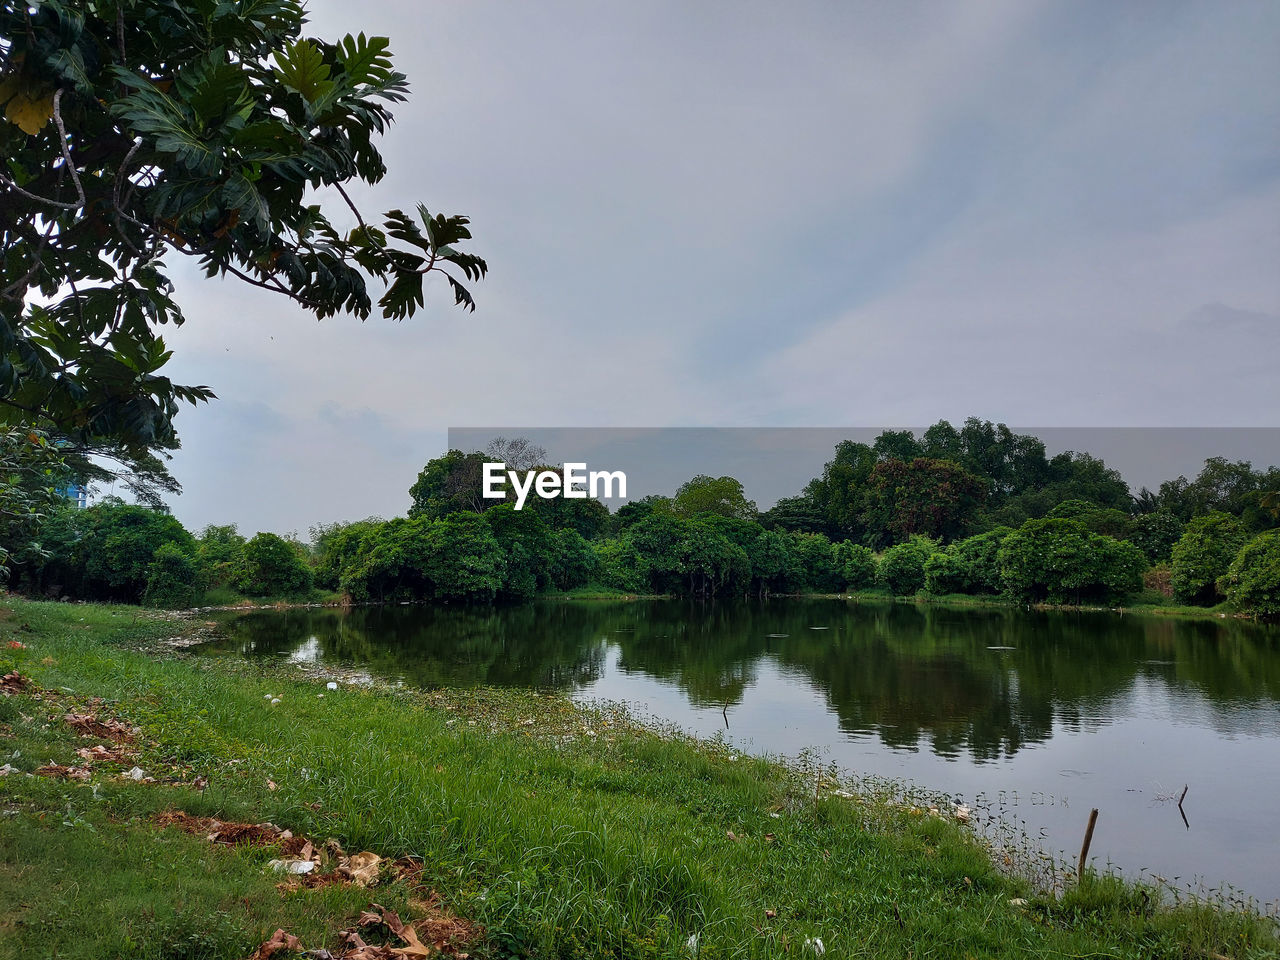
column 362, row 868
column 415, row 948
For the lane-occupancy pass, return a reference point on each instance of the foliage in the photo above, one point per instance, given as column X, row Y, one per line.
column 1222, row 486
column 813, row 563
column 1252, row 582
column 173, row 578
column 722, row 496
column 1155, row 533
column 1202, row 555
column 105, row 551
column 529, row 548
column 1060, row 561
column 969, row 566
column 932, row 498
column 901, row 567
column 573, row 562
column 272, row 566
column 857, row 565
column 336, row 545
column 220, row 554
column 32, row 475
column 457, row 558
column 1105, row 520
column 134, row 129
column 450, row 484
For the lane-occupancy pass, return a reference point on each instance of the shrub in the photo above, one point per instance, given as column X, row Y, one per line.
column 945, row 573
column 857, row 565
column 173, row 578
column 813, row 563
column 972, row 565
column 1252, row 582
column 1155, row 534
column 1060, row 561
column 1203, row 554
column 901, row 568
column 574, row 563
column 272, row 567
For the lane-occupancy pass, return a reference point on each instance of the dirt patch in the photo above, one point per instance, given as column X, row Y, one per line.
column 13, row 683
column 88, row 725
column 435, row 933
column 218, row 831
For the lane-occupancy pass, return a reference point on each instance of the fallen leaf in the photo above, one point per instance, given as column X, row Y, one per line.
column 415, row 948
column 279, row 941
column 362, row 868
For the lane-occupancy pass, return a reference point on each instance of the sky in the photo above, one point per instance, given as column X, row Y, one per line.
column 758, row 214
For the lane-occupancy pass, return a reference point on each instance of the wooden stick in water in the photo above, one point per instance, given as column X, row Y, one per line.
column 1088, row 839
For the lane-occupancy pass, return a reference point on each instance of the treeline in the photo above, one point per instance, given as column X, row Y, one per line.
column 979, row 510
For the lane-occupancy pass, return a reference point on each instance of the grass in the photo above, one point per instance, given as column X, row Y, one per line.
column 565, row 832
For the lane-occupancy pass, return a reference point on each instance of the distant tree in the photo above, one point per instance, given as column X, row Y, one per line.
column 336, row 545
column 634, row 511
column 814, row 565
column 1155, row 533
column 220, row 554
column 723, row 496
column 969, row 566
column 105, row 552
column 1061, row 561
column 518, row 453
column 450, row 484
column 529, row 547
column 857, row 565
column 932, row 498
column 1202, row 555
column 1252, row 582
column 1105, row 520
column 272, row 566
column 897, row 445
column 901, row 567
column 173, row 578
column 840, row 493
column 801, row 514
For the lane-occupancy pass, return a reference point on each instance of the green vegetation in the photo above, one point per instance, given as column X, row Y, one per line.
column 999, row 519
column 113, row 160
column 563, row 832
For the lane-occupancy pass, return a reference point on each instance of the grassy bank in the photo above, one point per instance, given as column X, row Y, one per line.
column 559, row 832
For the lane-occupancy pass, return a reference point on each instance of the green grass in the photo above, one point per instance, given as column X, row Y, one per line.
column 566, row 832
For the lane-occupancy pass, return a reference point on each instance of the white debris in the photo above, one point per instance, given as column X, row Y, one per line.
column 331, row 685
column 962, row 813
column 692, row 943
column 1018, row 902
column 6, row 770
column 274, row 701
column 292, row 866
column 137, row 773
column 816, row 945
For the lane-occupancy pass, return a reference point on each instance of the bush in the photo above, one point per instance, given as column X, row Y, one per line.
column 1252, row 582
column 272, row 567
column 1203, row 554
column 857, row 565
column 1060, row 561
column 970, row 566
column 813, row 563
column 173, row 579
column 1155, row 534
column 945, row 573
column 574, row 563
column 901, row 569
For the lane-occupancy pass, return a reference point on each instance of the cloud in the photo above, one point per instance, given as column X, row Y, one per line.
column 744, row 214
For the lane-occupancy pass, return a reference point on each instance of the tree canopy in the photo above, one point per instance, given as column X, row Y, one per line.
column 136, row 128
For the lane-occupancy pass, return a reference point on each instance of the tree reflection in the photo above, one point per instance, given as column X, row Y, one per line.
column 983, row 681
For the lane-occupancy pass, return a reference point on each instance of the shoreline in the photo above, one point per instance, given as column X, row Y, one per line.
column 714, row 837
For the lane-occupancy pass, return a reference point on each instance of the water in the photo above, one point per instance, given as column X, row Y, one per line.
column 1031, row 717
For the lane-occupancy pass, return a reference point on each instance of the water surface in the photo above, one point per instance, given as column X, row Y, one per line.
column 1034, row 716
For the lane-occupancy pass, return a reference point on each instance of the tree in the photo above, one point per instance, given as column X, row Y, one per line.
column 1252, row 582
column 173, row 578
column 32, row 473
column 933, row 498
column 723, row 496
column 450, row 484
column 133, row 130
column 1058, row 560
column 1203, row 554
column 901, row 569
column 272, row 566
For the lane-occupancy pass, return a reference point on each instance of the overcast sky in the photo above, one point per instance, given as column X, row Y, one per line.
column 764, row 214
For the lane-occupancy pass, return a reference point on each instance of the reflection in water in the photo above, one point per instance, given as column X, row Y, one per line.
column 982, row 682
column 1117, row 708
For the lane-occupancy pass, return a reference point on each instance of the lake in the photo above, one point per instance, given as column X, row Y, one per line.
column 1032, row 718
